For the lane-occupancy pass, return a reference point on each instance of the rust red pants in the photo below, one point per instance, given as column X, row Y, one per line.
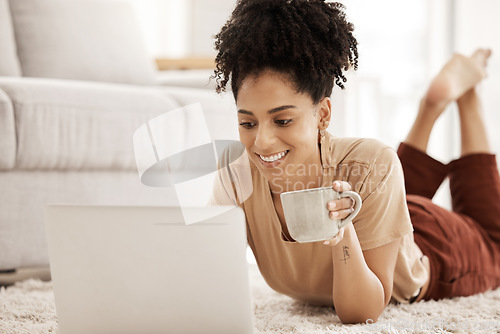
column 463, row 245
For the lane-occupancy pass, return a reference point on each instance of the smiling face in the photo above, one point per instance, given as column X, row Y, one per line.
column 279, row 128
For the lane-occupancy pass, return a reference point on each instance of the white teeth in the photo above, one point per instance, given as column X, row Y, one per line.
column 273, row 157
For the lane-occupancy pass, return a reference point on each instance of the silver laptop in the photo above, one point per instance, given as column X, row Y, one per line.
column 118, row 269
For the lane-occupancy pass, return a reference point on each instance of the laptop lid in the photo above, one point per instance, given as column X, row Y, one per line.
column 119, row 269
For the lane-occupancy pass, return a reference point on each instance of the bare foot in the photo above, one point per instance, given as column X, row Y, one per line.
column 455, row 81
column 480, row 57
column 460, row 74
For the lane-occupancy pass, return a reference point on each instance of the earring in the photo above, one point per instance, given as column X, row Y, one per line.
column 321, row 135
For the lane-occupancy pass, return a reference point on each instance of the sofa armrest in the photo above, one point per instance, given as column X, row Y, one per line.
column 7, row 132
column 73, row 125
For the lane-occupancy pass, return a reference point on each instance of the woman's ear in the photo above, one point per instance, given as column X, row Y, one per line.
column 324, row 113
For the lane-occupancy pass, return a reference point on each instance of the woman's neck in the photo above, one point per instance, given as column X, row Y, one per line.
column 306, row 176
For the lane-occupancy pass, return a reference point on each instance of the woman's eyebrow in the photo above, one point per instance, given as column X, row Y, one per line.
column 272, row 111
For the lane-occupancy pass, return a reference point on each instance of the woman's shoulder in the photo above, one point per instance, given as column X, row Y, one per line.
column 370, row 145
column 357, row 150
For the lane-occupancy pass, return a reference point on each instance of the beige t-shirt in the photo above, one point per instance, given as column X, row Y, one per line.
column 305, row 270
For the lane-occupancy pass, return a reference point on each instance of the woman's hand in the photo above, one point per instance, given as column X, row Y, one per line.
column 339, row 209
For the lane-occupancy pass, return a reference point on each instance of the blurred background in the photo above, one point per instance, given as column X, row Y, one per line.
column 402, row 45
column 76, row 81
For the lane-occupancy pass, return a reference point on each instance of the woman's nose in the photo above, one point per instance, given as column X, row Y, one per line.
column 265, row 138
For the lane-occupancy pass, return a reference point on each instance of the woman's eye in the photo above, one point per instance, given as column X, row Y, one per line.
column 283, row 122
column 247, row 125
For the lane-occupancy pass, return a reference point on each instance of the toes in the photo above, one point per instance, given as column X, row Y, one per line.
column 457, row 76
column 480, row 57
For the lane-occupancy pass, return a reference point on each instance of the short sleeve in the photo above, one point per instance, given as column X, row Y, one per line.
column 384, row 216
column 233, row 181
column 223, row 191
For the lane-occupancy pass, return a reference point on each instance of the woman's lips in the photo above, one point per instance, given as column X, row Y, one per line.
column 273, row 160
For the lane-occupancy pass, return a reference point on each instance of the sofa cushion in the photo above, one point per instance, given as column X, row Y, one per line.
column 9, row 64
column 7, row 133
column 23, row 198
column 95, row 40
column 219, row 109
column 65, row 125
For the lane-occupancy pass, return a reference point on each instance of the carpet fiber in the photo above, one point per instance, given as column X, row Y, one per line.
column 28, row 307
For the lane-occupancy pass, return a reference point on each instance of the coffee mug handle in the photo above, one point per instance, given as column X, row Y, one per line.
column 357, row 207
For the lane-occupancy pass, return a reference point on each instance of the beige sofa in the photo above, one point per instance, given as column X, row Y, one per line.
column 75, row 83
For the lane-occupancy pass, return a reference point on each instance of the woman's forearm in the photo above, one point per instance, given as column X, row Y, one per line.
column 358, row 294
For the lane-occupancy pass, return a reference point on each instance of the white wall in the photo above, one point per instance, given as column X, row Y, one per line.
column 209, row 17
column 477, row 24
column 180, row 28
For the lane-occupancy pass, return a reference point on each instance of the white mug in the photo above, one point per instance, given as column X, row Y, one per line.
column 307, row 216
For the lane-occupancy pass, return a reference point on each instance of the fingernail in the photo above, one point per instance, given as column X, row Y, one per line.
column 332, row 205
column 326, row 242
column 335, row 214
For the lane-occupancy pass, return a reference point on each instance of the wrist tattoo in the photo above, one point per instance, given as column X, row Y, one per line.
column 347, row 256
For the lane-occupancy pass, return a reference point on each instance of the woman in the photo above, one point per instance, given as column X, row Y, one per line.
column 282, row 58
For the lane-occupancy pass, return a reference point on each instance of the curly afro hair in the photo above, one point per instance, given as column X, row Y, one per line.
column 309, row 41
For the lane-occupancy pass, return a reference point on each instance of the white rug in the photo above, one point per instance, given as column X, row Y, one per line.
column 28, row 307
